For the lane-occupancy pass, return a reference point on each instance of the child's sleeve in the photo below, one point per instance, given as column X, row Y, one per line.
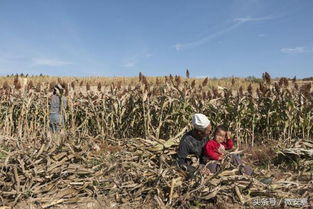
column 229, row 144
column 209, row 150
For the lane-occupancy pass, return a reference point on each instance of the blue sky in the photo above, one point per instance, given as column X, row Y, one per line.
column 212, row 38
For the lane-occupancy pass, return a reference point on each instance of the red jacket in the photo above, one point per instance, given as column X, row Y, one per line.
column 212, row 146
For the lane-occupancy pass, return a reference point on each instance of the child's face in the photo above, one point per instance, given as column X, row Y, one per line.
column 220, row 136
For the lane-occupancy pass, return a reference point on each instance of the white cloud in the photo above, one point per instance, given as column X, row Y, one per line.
column 133, row 60
column 262, row 35
column 148, row 55
column 180, row 46
column 202, row 76
column 49, row 62
column 252, row 19
column 236, row 23
column 296, row 50
column 130, row 63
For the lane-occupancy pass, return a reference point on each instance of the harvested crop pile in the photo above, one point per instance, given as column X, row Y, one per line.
column 64, row 169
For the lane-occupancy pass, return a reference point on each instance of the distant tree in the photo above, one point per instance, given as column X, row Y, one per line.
column 140, row 76
column 308, row 79
column 187, row 73
column 253, row 79
column 266, row 77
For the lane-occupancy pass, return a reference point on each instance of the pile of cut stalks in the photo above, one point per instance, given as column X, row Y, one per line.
column 62, row 170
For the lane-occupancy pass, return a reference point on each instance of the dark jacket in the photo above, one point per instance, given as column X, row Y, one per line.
column 190, row 145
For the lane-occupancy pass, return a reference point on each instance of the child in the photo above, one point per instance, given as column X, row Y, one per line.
column 215, row 149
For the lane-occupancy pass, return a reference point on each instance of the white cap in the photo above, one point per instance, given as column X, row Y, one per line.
column 200, row 121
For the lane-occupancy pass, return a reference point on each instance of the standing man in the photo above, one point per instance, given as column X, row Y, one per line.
column 57, row 109
column 193, row 141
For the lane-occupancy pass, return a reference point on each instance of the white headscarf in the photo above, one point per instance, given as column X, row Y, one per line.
column 200, row 121
column 58, row 88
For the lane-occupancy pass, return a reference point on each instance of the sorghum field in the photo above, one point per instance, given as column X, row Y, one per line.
column 118, row 147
